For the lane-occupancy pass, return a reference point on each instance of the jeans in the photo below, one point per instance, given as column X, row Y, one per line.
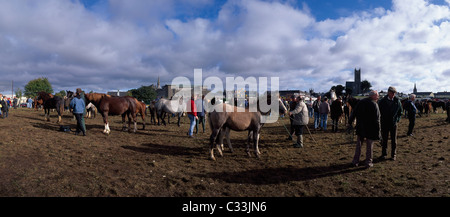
column 201, row 120
column 323, row 121
column 191, row 127
column 316, row 120
column 80, row 120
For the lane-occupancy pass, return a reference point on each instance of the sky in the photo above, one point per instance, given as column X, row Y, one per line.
column 108, row 45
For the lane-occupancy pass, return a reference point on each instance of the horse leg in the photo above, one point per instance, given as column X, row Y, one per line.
column 179, row 118
column 249, row 139
column 227, row 135
column 124, row 125
column 255, row 142
column 143, row 121
column 105, row 120
column 212, row 140
column 219, row 142
column 134, row 121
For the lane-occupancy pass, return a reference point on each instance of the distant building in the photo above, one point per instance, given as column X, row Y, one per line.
column 355, row 86
column 286, row 94
column 117, row 93
column 168, row 91
column 422, row 94
column 442, row 95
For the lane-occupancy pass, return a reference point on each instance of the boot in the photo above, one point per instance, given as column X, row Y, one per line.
column 299, row 143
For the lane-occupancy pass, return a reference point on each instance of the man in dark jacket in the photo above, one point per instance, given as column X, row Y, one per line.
column 391, row 112
column 336, row 113
column 367, row 116
column 79, row 107
column 412, row 111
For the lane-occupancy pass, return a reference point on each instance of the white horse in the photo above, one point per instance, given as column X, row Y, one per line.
column 165, row 106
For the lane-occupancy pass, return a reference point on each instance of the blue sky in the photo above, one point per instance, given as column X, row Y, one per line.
column 104, row 45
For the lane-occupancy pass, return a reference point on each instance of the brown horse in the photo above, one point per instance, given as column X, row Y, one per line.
column 140, row 108
column 51, row 102
column 109, row 105
column 230, row 119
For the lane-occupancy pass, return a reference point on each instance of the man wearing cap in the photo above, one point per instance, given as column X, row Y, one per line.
column 367, row 116
column 301, row 118
column 391, row 112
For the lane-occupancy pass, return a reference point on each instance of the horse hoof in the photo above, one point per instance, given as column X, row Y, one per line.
column 212, row 158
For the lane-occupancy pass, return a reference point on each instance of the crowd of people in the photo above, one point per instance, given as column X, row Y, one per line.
column 376, row 119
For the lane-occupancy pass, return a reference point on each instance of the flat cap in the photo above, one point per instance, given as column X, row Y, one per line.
column 392, row 89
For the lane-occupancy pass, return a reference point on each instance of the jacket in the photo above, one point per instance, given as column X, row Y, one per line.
column 78, row 105
column 367, row 116
column 316, row 105
column 336, row 109
column 324, row 108
column 391, row 112
column 193, row 110
column 300, row 114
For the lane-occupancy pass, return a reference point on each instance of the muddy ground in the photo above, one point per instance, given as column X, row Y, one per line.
column 38, row 160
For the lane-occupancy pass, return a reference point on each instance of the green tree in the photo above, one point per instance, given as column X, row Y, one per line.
column 37, row 85
column 61, row 93
column 365, row 86
column 19, row 93
column 144, row 93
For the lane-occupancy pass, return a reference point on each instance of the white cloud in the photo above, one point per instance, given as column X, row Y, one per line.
column 141, row 40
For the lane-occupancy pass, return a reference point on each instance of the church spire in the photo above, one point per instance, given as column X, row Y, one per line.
column 415, row 88
column 159, row 85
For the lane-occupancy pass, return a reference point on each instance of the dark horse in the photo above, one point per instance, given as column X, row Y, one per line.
column 51, row 102
column 110, row 105
column 228, row 117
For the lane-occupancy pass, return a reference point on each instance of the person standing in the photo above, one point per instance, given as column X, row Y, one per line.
column 391, row 112
column 336, row 113
column 81, row 93
column 316, row 106
column 200, row 105
column 5, row 107
column 301, row 118
column 292, row 105
column 79, row 106
column 367, row 116
column 192, row 114
column 15, row 102
column 29, row 103
column 412, row 110
column 324, row 110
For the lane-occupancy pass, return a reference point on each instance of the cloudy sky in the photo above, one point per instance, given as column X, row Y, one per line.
column 105, row 45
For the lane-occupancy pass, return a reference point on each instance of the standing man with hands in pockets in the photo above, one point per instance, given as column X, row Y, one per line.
column 391, row 112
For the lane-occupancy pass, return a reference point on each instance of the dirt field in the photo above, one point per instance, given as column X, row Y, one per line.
column 38, row 160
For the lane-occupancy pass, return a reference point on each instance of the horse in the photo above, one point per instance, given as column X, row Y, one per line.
column 152, row 111
column 51, row 102
column 69, row 96
column 428, row 107
column 222, row 122
column 140, row 108
column 91, row 110
column 38, row 102
column 109, row 105
column 438, row 104
column 164, row 106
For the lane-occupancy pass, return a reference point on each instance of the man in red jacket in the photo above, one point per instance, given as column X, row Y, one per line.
column 192, row 114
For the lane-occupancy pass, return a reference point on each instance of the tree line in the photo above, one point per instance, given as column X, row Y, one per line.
column 143, row 93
